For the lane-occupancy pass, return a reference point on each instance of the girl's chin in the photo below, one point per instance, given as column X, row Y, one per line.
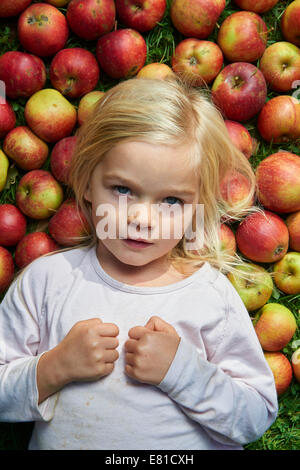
column 133, row 259
column 128, row 255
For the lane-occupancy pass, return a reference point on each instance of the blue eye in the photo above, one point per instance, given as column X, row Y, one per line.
column 174, row 199
column 120, row 189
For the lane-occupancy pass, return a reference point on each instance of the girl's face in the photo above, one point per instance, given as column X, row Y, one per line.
column 139, row 190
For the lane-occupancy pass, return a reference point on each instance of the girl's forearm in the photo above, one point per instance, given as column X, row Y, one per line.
column 50, row 377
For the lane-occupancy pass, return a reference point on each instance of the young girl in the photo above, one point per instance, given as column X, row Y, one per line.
column 126, row 344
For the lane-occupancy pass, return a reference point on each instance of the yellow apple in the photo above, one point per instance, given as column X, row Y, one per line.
column 156, row 70
column 57, row 3
column 50, row 115
column 86, row 105
column 275, row 325
column 296, row 364
column 4, row 164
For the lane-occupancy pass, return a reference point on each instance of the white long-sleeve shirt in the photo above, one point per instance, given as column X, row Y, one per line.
column 218, row 393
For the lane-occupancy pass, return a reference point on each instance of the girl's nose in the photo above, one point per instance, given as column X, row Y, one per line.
column 142, row 215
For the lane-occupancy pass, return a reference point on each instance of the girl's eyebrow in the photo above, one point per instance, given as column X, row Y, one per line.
column 170, row 189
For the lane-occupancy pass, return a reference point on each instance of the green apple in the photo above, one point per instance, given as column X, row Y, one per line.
column 287, row 273
column 296, row 364
column 254, row 285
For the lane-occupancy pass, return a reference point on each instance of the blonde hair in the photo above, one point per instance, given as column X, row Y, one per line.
column 169, row 112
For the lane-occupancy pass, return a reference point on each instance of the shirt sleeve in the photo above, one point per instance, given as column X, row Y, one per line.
column 233, row 395
column 20, row 314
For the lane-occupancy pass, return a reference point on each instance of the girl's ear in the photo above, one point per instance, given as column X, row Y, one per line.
column 87, row 194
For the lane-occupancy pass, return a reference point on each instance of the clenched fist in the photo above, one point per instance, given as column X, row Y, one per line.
column 150, row 350
column 86, row 353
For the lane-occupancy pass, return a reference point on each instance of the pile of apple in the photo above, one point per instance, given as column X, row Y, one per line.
column 61, row 86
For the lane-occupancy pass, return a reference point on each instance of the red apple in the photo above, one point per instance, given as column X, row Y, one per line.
column 7, row 119
column 290, row 23
column 254, row 290
column 293, row 225
column 240, row 137
column 13, row 7
column 239, row 91
column 22, row 73
column 69, row 226
column 258, row 6
column 279, row 119
column 287, row 273
column 227, row 238
column 262, row 237
column 278, row 182
column 42, row 29
column 196, row 18
column 243, row 37
column 61, row 158
column 156, row 70
column 7, row 269
column 281, row 369
column 275, row 325
column 74, row 72
column 33, row 246
column 296, row 364
column 141, row 15
column 198, row 61
column 121, row 53
column 13, row 225
column 280, row 65
column 27, row 150
column 86, row 105
column 92, row 18
column 50, row 115
column 235, row 188
column 38, row 194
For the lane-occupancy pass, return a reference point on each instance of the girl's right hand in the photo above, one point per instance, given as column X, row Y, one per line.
column 86, row 353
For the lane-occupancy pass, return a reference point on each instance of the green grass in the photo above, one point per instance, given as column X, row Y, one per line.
column 284, row 434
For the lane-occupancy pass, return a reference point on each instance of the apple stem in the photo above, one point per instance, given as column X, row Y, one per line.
column 193, row 61
column 31, row 20
column 237, row 81
column 278, row 250
column 262, row 33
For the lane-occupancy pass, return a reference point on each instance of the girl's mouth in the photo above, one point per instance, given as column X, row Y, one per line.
column 137, row 243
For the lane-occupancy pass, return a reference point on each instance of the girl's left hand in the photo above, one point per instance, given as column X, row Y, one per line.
column 151, row 350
